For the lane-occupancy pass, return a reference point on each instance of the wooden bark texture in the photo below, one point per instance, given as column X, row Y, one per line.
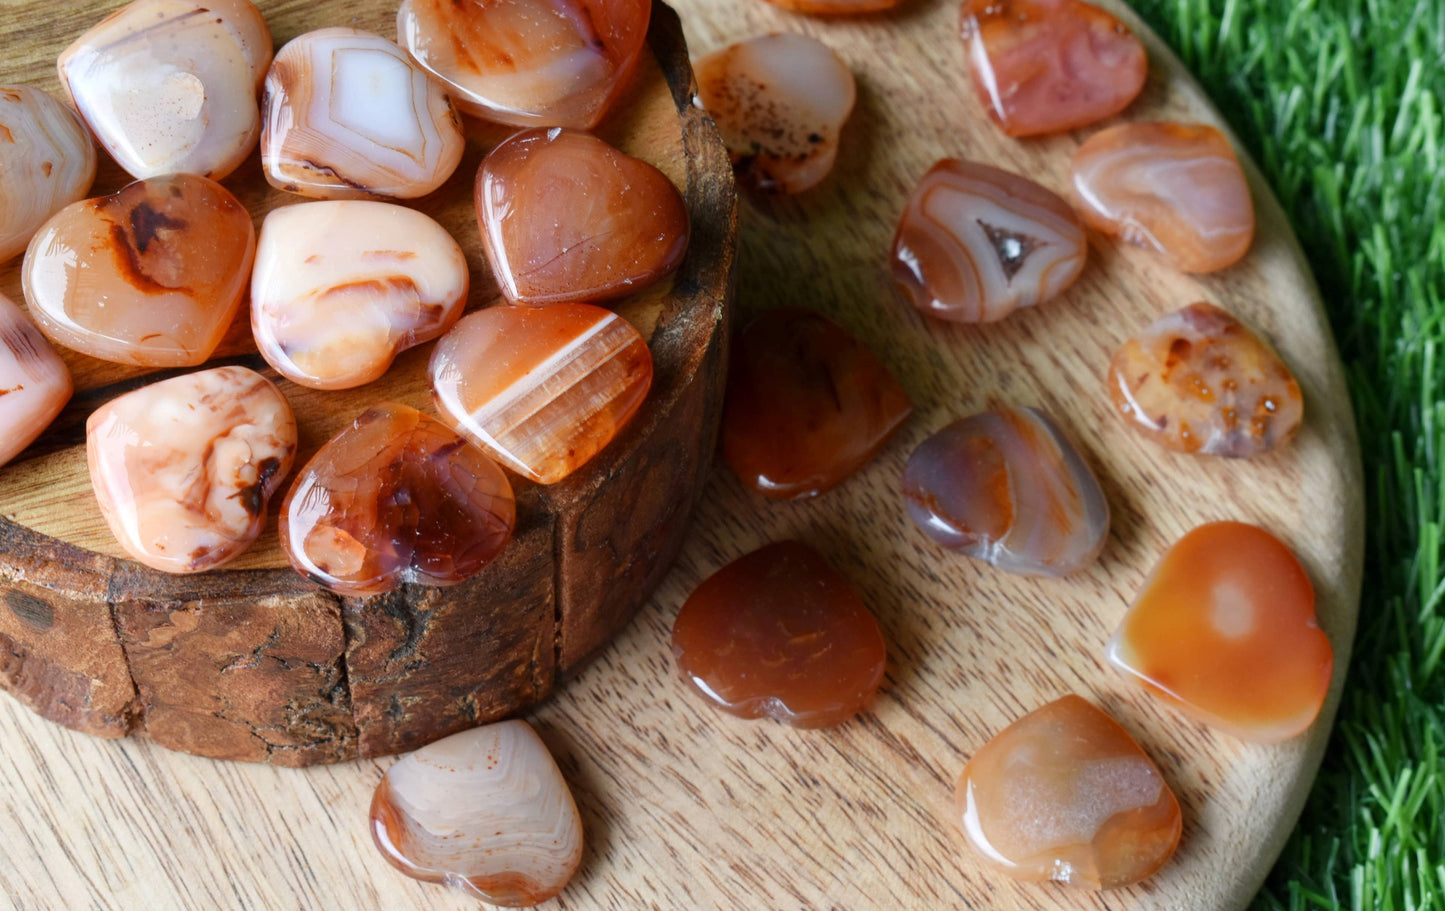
column 687, row 808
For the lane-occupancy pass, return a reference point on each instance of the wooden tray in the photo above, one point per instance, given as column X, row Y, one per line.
column 687, row 808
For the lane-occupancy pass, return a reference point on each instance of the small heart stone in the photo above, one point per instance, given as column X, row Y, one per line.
column 566, row 217
column 34, row 382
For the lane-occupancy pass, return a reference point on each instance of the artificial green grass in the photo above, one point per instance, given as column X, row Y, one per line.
column 1341, row 103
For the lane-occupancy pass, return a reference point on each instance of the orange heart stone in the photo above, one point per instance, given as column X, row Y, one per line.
column 1065, row 794
column 35, row 384
column 566, row 217
column 1225, row 629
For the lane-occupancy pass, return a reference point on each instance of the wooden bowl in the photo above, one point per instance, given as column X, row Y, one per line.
column 254, row 662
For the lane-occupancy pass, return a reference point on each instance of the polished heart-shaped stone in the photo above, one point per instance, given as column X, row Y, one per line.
column 396, row 497
column 341, row 287
column 1225, row 629
column 183, row 469
column 47, row 161
column 169, row 86
column 976, row 243
column 541, row 389
column 780, row 102
column 486, row 811
column 1065, row 794
column 151, row 275
column 347, row 115
column 528, row 63
column 1045, row 66
column 1198, row 381
column 566, row 217
column 34, row 382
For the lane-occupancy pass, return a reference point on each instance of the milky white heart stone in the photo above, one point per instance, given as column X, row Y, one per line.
column 348, row 115
column 341, row 287
column 47, row 161
column 34, row 382
column 169, row 86
column 486, row 811
column 183, row 469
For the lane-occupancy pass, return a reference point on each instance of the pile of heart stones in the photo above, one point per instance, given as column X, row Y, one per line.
column 181, row 94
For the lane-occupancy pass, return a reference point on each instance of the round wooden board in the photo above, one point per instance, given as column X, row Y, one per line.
column 688, row 808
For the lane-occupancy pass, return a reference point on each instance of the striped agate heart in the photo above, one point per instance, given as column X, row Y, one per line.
column 976, row 243
column 35, row 384
column 47, row 162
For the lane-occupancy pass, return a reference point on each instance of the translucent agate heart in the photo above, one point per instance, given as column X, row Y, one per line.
column 486, row 811
column 1009, row 488
column 151, row 275
column 780, row 633
column 35, row 384
column 396, row 497
column 183, row 469
column 1225, row 629
column 566, row 217
column 169, row 86
column 347, row 115
column 780, row 102
column 1065, row 794
column 47, row 161
column 528, row 63
column 976, row 243
column 340, row 288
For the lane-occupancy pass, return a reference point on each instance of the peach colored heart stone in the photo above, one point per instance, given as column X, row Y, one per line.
column 566, row 217
column 541, row 389
column 976, row 243
column 780, row 102
column 486, row 811
column 35, row 384
column 1065, row 794
column 1173, row 188
column 151, row 275
column 47, row 161
column 183, row 469
column 528, row 63
column 1225, row 629
column 1045, row 66
column 341, row 287
column 1198, row 381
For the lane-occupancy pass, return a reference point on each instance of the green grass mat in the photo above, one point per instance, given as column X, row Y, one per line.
column 1341, row 102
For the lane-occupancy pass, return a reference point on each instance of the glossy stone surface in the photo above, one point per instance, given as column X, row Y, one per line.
column 1225, row 629
column 541, row 389
column 780, row 102
column 976, row 243
column 47, row 161
column 566, row 217
column 347, row 115
column 151, row 275
column 396, row 497
column 1173, row 188
column 807, row 405
column 529, row 63
column 1009, row 488
column 169, row 86
column 34, row 382
column 485, row 811
column 184, row 469
column 780, row 633
column 1045, row 66
column 1065, row 794
column 1198, row 381
column 342, row 287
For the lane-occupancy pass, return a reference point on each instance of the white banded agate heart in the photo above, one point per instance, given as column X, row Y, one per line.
column 347, row 115
column 976, row 243
column 341, row 287
column 34, row 382
column 486, row 811
column 47, row 161
column 169, row 86
column 183, row 469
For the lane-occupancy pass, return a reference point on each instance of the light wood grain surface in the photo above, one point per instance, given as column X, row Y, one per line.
column 687, row 808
